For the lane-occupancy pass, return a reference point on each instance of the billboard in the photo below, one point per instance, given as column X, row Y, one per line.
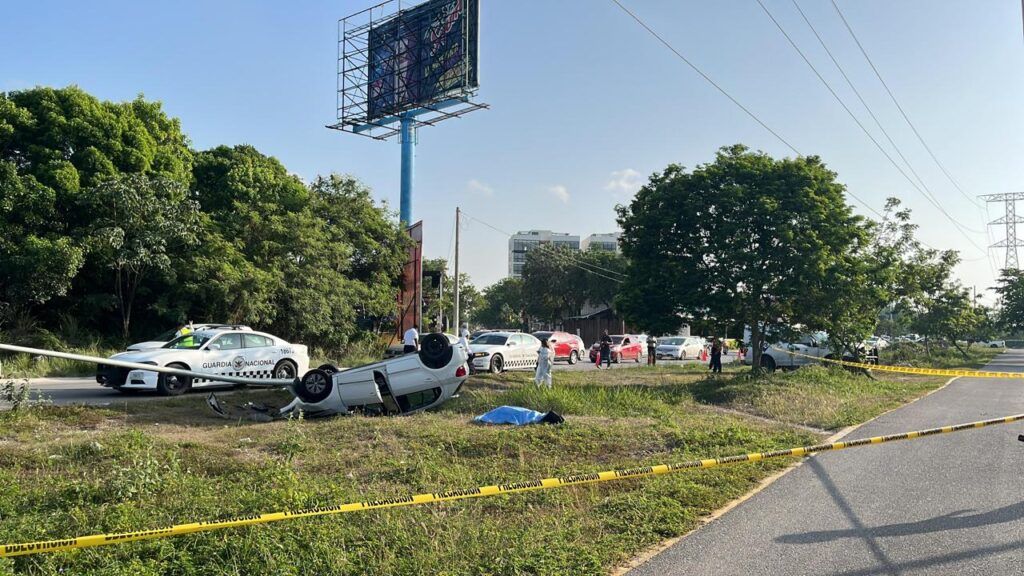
column 422, row 56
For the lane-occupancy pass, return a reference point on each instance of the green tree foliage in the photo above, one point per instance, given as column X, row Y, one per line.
column 746, row 237
column 55, row 145
column 1010, row 289
column 949, row 314
column 107, row 216
column 138, row 224
column 502, row 305
column 560, row 280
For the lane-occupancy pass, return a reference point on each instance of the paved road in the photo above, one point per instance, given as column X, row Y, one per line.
column 951, row 504
column 83, row 390
column 586, row 365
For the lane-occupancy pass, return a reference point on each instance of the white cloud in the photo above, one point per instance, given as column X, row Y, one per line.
column 625, row 182
column 478, row 187
column 560, row 192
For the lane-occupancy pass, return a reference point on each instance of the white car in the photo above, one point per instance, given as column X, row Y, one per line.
column 679, row 347
column 160, row 340
column 879, row 342
column 229, row 352
column 401, row 385
column 994, row 344
column 500, row 351
column 809, row 347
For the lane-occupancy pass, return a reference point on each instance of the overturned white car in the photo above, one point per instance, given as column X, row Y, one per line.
column 400, row 385
column 238, row 352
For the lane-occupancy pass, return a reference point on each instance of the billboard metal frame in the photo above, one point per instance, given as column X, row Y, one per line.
column 353, row 79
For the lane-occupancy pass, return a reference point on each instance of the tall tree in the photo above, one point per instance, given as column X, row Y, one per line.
column 1011, row 300
column 746, row 237
column 949, row 314
column 138, row 222
column 502, row 305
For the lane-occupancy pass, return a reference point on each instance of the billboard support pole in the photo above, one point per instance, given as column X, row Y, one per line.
column 408, row 139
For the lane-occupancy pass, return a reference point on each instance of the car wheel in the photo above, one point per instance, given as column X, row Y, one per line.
column 173, row 384
column 329, row 368
column 435, row 351
column 768, row 363
column 574, row 357
column 497, row 364
column 682, row 355
column 315, row 386
column 286, row 370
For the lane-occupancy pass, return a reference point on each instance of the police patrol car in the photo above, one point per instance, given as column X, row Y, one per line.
column 238, row 352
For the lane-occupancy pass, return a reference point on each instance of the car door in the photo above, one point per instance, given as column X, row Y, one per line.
column 223, row 355
column 531, row 350
column 626, row 349
column 260, row 355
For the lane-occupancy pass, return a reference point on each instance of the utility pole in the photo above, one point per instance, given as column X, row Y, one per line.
column 455, row 315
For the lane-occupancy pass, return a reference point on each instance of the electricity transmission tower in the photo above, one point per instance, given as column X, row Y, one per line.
column 1010, row 219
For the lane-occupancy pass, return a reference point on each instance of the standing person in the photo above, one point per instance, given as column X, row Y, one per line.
column 186, row 331
column 606, row 350
column 410, row 340
column 716, row 356
column 464, row 336
column 652, row 349
column 545, row 359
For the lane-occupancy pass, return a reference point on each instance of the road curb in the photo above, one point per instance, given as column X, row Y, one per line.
column 653, row 551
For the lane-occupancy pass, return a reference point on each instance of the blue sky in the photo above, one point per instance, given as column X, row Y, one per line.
column 585, row 104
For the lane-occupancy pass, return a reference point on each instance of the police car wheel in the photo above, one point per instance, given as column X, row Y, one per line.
column 315, row 386
column 329, row 368
column 497, row 364
column 173, row 384
column 435, row 351
column 285, row 370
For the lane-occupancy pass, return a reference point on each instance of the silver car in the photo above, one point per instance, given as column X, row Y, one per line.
column 679, row 347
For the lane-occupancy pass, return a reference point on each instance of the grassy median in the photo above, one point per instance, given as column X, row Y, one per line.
column 68, row 471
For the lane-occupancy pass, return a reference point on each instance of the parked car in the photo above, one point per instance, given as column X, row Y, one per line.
column 161, row 339
column 879, row 342
column 228, row 352
column 500, row 351
column 624, row 347
column 994, row 344
column 809, row 347
column 679, row 347
column 910, row 338
column 568, row 347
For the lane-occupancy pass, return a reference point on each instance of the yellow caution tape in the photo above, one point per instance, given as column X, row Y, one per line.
column 27, row 548
column 909, row 369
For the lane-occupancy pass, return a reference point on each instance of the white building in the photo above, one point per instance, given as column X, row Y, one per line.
column 522, row 242
column 604, row 242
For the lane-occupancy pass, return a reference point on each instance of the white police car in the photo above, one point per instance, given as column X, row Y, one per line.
column 500, row 351
column 238, row 352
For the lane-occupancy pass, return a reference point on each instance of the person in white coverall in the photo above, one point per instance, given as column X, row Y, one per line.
column 545, row 359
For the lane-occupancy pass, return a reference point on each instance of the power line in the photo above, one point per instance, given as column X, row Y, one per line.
column 729, row 96
column 828, row 86
column 899, row 107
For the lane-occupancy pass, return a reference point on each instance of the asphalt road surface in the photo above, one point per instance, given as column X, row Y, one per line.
column 948, row 504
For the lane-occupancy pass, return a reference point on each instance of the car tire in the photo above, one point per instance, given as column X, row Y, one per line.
column 171, row 384
column 574, row 357
column 768, row 363
column 497, row 364
column 682, row 355
column 315, row 386
column 435, row 351
column 329, row 368
column 286, row 370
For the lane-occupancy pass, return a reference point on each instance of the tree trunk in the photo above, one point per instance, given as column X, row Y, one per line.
column 958, row 348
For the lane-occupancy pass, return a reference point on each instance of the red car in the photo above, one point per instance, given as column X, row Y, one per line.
column 624, row 347
column 567, row 346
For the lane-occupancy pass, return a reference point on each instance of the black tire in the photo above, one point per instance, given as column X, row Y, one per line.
column 574, row 357
column 171, row 384
column 286, row 370
column 315, row 386
column 329, row 368
column 435, row 351
column 768, row 363
column 497, row 364
column 682, row 355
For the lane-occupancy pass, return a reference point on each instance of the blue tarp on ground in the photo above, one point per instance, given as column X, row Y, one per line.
column 511, row 415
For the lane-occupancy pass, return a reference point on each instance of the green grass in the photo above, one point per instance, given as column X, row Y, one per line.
column 909, row 354
column 68, row 471
column 26, row 366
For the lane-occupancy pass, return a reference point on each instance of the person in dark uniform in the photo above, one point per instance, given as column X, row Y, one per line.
column 716, row 356
column 606, row 350
column 652, row 351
